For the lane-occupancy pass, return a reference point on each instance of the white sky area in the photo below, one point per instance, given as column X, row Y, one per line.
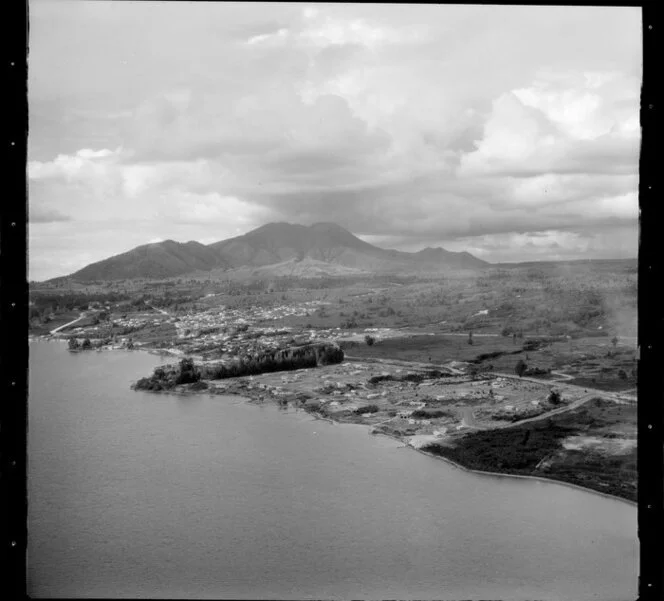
column 510, row 132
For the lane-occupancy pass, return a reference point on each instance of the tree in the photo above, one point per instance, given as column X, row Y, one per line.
column 520, row 368
column 86, row 344
column 188, row 372
column 470, row 337
column 614, row 341
column 73, row 344
column 369, row 340
column 554, row 397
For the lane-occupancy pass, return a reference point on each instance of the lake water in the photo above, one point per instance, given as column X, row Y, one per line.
column 134, row 494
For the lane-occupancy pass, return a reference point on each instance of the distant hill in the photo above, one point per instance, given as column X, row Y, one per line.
column 274, row 249
column 152, row 261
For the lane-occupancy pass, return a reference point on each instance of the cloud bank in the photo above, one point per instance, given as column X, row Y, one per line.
column 510, row 132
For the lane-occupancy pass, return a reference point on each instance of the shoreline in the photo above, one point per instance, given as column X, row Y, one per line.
column 526, row 477
column 247, row 396
column 405, row 443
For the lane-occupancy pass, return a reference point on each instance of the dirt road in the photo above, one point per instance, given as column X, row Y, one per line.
column 81, row 316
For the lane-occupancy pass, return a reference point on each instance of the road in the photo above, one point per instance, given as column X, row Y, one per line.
column 614, row 396
column 160, row 310
column 559, row 383
column 81, row 316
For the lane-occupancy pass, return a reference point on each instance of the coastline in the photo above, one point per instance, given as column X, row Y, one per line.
column 252, row 396
column 523, row 476
column 316, row 415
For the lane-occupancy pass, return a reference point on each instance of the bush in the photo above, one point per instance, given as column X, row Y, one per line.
column 520, row 368
column 369, row 340
column 555, row 398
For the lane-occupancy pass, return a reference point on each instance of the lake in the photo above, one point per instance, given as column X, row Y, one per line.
column 141, row 495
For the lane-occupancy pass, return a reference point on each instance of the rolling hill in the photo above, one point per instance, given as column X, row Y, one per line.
column 278, row 247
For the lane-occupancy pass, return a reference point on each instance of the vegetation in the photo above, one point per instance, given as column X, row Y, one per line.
column 431, row 413
column 525, row 449
column 169, row 376
column 288, row 359
column 555, row 398
column 520, row 368
column 367, row 409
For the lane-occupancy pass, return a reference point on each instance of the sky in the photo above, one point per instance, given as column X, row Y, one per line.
column 511, row 132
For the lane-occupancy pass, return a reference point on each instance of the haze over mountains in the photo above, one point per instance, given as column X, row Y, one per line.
column 274, row 249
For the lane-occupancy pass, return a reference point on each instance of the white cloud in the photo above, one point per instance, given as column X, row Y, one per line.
column 557, row 125
column 432, row 124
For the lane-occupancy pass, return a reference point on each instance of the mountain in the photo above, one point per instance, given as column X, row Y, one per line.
column 461, row 260
column 277, row 242
column 153, row 261
column 278, row 248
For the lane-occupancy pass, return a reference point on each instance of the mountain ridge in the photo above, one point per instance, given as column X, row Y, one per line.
column 271, row 244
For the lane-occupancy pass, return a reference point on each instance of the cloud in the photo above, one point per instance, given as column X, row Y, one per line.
column 560, row 125
column 46, row 215
column 431, row 126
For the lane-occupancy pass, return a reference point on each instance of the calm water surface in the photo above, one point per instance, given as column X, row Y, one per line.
column 140, row 495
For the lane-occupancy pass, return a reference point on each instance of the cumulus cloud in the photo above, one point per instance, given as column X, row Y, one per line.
column 415, row 126
column 560, row 126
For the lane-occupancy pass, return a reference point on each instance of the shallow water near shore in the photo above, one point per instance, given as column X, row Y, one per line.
column 133, row 494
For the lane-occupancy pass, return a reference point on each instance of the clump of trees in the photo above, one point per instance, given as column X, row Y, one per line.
column 367, row 409
column 430, row 413
column 306, row 356
column 168, row 376
column 74, row 345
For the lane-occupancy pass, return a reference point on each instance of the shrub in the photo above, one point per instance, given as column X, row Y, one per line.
column 520, row 368
column 555, row 398
column 369, row 340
